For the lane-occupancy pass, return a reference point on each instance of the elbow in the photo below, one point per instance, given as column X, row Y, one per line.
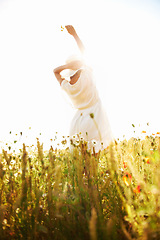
column 54, row 71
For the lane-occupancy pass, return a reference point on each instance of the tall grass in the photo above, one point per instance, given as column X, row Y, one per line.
column 59, row 194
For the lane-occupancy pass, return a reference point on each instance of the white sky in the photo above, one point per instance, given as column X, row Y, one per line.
column 122, row 42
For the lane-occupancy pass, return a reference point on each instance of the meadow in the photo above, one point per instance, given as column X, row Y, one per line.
column 61, row 195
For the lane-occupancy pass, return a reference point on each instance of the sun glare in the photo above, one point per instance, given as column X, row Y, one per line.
column 122, row 47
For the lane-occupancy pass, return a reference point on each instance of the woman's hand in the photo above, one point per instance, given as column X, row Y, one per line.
column 71, row 30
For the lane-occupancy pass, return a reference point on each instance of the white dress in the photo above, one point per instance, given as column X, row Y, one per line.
column 90, row 120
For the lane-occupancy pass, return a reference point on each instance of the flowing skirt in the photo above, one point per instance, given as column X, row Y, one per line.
column 93, row 126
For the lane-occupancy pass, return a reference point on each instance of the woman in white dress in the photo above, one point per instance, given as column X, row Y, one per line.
column 90, row 120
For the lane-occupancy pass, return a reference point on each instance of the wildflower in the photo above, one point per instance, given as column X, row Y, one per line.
column 158, row 133
column 62, row 28
column 94, row 142
column 12, row 234
column 137, row 189
column 64, row 142
column 129, row 175
column 91, row 115
column 127, row 178
column 146, row 159
column 124, row 164
column 143, row 131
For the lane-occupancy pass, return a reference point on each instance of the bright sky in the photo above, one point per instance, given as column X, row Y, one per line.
column 122, row 42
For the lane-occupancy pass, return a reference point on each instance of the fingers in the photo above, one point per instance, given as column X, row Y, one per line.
column 70, row 29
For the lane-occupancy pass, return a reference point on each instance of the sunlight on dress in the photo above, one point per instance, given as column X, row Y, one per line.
column 90, row 119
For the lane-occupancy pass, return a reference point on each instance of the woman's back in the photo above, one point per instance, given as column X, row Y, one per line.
column 83, row 93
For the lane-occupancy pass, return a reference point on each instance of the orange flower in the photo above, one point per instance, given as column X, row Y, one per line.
column 147, row 160
column 137, row 189
column 158, row 133
column 129, row 176
column 124, row 164
column 11, row 233
column 143, row 131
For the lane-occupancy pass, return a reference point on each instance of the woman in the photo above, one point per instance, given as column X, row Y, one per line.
column 90, row 120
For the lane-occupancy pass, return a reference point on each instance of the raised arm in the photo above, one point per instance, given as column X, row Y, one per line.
column 74, row 65
column 72, row 31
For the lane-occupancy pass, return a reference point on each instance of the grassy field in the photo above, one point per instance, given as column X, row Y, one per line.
column 61, row 195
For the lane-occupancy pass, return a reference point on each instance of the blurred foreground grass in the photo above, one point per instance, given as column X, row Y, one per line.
column 57, row 194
